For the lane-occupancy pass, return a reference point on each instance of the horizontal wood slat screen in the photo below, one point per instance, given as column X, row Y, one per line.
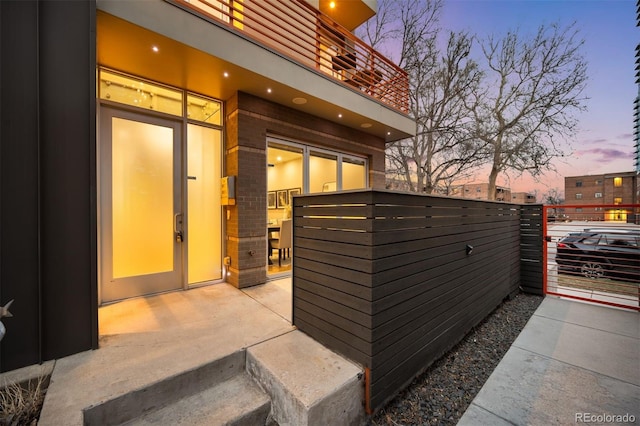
column 387, row 279
column 531, row 246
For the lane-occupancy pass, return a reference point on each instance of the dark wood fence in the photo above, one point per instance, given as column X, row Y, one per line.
column 395, row 280
column 531, row 241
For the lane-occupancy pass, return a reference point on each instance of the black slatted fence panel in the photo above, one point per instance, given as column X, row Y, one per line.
column 531, row 246
column 395, row 280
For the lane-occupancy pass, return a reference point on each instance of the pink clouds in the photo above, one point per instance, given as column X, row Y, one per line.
column 606, row 155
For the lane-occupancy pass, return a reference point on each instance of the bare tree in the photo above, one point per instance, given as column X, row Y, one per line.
column 533, row 89
column 553, row 197
column 440, row 84
column 442, row 149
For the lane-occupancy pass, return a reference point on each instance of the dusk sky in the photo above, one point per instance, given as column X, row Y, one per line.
column 605, row 142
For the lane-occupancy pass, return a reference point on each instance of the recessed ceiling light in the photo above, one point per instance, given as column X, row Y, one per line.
column 332, row 4
column 225, row 74
column 366, row 125
column 155, row 49
column 299, row 101
column 388, row 133
column 269, row 90
column 279, row 158
column 339, row 115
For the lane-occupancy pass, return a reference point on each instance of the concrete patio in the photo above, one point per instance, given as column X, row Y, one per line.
column 572, row 359
column 172, row 349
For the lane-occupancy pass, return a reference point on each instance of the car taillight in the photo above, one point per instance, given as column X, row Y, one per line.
column 562, row 245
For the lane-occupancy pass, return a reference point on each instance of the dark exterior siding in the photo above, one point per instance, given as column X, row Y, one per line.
column 19, row 230
column 68, row 177
column 48, row 223
column 385, row 278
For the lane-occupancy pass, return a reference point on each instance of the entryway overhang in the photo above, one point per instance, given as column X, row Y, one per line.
column 197, row 54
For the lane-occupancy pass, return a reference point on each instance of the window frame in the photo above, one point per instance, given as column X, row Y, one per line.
column 308, row 149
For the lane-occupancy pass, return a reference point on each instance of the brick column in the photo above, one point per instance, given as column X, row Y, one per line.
column 245, row 157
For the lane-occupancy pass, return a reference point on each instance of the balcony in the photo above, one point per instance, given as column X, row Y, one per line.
column 286, row 52
column 311, row 38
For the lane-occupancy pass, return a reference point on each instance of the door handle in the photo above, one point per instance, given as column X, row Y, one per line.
column 177, row 227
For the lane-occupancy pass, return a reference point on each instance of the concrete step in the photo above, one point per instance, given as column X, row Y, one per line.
column 308, row 384
column 238, row 401
column 203, row 383
column 289, row 380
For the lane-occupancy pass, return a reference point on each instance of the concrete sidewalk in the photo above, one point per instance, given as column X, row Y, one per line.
column 572, row 363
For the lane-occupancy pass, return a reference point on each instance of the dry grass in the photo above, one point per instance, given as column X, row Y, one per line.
column 20, row 403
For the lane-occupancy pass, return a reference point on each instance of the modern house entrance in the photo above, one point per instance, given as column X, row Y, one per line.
column 154, row 188
column 127, row 121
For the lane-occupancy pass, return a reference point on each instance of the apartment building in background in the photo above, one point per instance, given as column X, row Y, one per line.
column 596, row 197
column 480, row 191
column 149, row 146
column 523, row 198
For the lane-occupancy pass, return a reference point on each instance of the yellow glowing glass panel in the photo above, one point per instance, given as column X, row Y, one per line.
column 138, row 93
column 617, row 181
column 205, row 212
column 354, row 174
column 142, row 198
column 323, row 170
column 617, row 200
column 204, row 109
column 285, row 168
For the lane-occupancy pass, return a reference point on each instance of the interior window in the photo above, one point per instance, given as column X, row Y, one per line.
column 354, row 173
column 323, row 172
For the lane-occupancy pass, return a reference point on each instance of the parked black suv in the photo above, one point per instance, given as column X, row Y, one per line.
column 596, row 253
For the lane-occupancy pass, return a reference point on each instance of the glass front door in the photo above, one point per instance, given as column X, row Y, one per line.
column 140, row 207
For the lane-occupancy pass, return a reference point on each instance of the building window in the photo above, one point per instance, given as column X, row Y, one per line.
column 617, row 200
column 578, row 196
column 617, row 182
column 598, row 194
column 135, row 92
column 306, row 169
column 478, row 190
column 578, row 183
column 598, row 182
column 579, row 210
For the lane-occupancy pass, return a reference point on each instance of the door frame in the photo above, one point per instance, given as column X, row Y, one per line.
column 174, row 280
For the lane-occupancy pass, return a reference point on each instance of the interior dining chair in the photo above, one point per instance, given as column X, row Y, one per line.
column 286, row 239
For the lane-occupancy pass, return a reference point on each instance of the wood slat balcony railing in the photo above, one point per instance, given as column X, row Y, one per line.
column 306, row 35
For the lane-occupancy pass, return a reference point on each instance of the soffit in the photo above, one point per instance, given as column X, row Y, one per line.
column 194, row 54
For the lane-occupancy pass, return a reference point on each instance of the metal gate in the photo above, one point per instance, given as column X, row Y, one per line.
column 592, row 253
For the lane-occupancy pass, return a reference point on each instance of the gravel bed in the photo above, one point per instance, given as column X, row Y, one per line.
column 441, row 395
